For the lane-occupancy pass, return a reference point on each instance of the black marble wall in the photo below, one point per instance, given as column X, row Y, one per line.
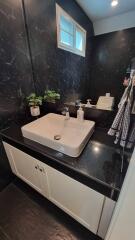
column 15, row 69
column 112, row 53
column 53, row 67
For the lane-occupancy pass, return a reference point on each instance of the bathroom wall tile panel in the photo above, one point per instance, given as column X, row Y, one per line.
column 15, row 69
column 112, row 54
column 53, row 67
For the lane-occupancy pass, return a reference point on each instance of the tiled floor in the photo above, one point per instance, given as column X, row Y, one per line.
column 25, row 215
column 4, row 181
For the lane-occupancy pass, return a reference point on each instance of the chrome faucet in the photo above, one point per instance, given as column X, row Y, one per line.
column 65, row 113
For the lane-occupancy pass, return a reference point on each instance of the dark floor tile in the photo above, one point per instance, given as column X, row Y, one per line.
column 25, row 215
column 4, row 181
column 3, row 235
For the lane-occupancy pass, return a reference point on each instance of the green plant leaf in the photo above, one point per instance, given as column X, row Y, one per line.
column 34, row 100
column 51, row 96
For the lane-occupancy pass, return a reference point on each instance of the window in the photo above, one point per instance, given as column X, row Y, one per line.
column 70, row 35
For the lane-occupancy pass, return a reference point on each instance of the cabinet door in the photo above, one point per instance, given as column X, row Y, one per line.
column 27, row 168
column 78, row 200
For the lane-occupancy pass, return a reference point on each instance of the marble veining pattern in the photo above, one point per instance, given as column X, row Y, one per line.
column 54, row 67
column 15, row 74
column 112, row 54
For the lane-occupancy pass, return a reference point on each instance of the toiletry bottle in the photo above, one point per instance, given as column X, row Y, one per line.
column 88, row 103
column 80, row 113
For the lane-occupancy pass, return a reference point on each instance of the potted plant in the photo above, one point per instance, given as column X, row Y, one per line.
column 34, row 102
column 51, row 96
column 51, row 100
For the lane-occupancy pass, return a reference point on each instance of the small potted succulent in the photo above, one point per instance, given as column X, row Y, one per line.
column 51, row 96
column 34, row 103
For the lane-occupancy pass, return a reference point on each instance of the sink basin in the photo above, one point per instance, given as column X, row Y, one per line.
column 66, row 136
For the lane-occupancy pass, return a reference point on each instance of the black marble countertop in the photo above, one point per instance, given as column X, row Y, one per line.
column 99, row 165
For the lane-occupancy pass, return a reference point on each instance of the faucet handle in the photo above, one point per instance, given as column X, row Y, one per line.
column 65, row 110
column 77, row 102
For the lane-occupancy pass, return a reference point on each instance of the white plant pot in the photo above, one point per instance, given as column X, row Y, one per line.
column 35, row 111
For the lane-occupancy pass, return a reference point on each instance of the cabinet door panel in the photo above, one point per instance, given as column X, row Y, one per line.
column 25, row 167
column 81, row 202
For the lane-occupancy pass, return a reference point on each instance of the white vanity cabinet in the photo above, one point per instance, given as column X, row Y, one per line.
column 84, row 204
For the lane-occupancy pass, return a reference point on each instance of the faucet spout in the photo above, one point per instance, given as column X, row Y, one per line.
column 65, row 113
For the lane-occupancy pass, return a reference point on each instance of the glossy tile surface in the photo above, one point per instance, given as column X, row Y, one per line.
column 54, row 67
column 112, row 54
column 15, row 75
column 25, row 215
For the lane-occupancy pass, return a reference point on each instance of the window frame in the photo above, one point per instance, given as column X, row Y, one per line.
column 60, row 12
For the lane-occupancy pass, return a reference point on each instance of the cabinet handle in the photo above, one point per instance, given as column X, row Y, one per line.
column 41, row 169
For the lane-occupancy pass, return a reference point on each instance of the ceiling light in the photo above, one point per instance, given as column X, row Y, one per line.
column 114, row 3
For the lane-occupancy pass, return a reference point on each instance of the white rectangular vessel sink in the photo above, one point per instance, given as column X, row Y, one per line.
column 66, row 136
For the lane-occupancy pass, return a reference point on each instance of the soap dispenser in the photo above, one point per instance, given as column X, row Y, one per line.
column 80, row 113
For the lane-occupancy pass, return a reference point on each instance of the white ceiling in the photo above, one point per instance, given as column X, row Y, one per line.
column 100, row 9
